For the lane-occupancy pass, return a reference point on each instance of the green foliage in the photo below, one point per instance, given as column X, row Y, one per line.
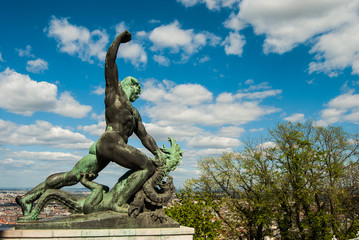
column 194, row 210
column 302, row 183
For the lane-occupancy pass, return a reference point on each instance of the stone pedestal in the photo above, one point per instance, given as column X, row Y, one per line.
column 100, row 220
column 181, row 233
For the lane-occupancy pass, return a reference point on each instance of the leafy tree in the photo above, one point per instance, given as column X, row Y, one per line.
column 302, row 183
column 194, row 210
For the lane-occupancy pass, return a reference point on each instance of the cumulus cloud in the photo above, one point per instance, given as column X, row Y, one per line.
column 41, row 133
column 233, row 44
column 343, row 108
column 297, row 117
column 176, row 39
column 25, row 52
column 120, row 27
column 162, row 60
column 94, row 129
column 78, row 40
column 99, row 90
column 37, row 66
column 337, row 50
column 22, row 95
column 231, row 131
column 133, row 52
column 213, row 142
column 210, row 4
column 52, row 156
column 179, row 132
column 16, row 163
column 286, row 23
column 194, row 104
column 331, row 25
column 234, row 23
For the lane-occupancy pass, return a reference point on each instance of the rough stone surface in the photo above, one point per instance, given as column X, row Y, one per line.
column 181, row 233
column 101, row 220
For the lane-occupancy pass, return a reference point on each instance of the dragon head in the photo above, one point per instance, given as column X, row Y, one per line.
column 173, row 156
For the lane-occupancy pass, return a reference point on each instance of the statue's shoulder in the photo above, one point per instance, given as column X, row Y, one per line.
column 136, row 113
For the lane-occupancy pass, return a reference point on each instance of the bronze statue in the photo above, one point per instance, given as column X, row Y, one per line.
column 143, row 187
column 154, row 192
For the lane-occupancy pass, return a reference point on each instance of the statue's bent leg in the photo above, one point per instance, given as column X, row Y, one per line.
column 49, row 195
column 128, row 157
column 54, row 181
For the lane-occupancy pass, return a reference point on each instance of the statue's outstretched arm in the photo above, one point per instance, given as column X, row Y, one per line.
column 111, row 71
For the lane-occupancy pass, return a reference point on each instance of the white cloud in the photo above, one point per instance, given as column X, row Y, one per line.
column 176, row 39
column 213, row 142
column 17, row 163
column 343, row 108
column 337, row 50
column 233, row 44
column 266, row 145
column 255, row 87
column 78, row 40
column 287, row 23
column 37, row 66
column 193, row 104
column 120, row 28
column 234, row 23
column 54, row 156
column 1, row 59
column 204, row 59
column 41, row 133
column 330, row 24
column 231, row 131
column 189, row 94
column 94, row 129
column 22, row 95
column 134, row 53
column 178, row 132
column 210, row 4
column 256, row 129
column 331, row 27
column 25, row 52
column 99, row 90
column 189, row 3
column 297, row 117
column 162, row 60
column 259, row 95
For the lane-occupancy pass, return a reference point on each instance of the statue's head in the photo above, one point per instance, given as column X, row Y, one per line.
column 131, row 87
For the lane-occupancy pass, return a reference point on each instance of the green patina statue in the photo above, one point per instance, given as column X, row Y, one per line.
column 141, row 187
column 155, row 192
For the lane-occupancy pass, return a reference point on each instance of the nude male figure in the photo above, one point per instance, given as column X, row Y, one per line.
column 122, row 120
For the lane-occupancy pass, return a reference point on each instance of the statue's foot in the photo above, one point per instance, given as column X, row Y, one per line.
column 25, row 207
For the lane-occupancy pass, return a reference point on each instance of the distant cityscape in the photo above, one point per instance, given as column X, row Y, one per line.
column 10, row 211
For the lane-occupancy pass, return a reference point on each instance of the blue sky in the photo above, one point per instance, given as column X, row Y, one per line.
column 212, row 73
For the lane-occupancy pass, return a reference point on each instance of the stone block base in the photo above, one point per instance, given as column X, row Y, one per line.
column 181, row 233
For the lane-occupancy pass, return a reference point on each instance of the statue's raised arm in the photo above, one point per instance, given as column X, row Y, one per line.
column 111, row 72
